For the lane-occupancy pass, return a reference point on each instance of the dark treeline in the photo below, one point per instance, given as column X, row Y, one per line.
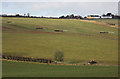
column 25, row 16
column 71, row 17
column 29, row 59
column 28, row 16
column 18, row 15
column 116, row 17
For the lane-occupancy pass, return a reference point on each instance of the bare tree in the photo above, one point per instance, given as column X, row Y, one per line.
column 59, row 56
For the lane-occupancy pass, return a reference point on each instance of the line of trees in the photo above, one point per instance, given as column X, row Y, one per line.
column 30, row 59
column 70, row 17
column 59, row 57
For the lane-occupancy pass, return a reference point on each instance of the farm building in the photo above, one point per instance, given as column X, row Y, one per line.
column 106, row 17
column 93, row 17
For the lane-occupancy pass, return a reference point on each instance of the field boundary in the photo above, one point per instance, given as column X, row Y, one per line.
column 61, row 64
column 27, row 59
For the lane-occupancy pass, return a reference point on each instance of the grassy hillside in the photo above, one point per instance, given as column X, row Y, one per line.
column 72, row 26
column 22, row 69
column 113, row 21
column 80, row 42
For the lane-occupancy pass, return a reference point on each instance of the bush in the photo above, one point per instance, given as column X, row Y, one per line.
column 59, row 56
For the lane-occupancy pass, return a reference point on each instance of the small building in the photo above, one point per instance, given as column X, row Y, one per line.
column 103, row 32
column 39, row 28
column 58, row 30
column 92, row 62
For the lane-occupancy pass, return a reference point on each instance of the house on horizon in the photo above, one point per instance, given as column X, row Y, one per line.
column 107, row 16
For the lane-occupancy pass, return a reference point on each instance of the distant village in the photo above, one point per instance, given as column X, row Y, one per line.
column 72, row 16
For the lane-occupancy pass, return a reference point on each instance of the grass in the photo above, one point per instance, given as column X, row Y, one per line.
column 21, row 69
column 72, row 26
column 111, row 21
column 45, row 45
column 80, row 44
column 75, row 46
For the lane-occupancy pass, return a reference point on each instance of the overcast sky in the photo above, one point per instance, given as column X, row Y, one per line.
column 59, row 8
column 60, row 0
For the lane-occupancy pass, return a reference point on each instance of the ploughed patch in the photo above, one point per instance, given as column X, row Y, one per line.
column 9, row 21
column 7, row 29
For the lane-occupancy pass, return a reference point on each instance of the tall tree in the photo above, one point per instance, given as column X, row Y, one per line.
column 28, row 14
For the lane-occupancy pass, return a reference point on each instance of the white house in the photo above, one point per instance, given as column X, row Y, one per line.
column 106, row 17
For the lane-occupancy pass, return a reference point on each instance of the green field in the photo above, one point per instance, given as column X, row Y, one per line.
column 81, row 42
column 18, row 69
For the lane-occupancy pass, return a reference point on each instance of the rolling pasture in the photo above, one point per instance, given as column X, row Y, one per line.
column 80, row 42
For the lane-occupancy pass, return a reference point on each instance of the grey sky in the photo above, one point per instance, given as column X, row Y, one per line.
column 60, row 0
column 60, row 8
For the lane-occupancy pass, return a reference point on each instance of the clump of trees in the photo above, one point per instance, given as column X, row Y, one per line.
column 70, row 17
column 59, row 56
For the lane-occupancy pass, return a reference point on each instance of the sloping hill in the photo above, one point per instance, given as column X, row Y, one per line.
column 80, row 41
